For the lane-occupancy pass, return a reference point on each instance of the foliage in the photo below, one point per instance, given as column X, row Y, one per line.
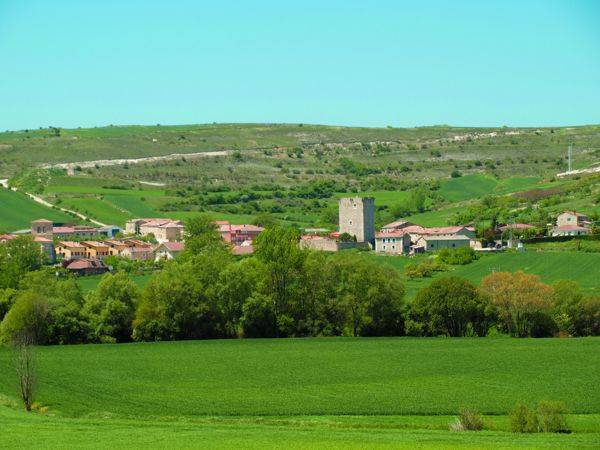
column 258, row 317
column 17, row 257
column 111, row 308
column 575, row 313
column 523, row 420
column 458, row 256
column 451, row 307
column 468, row 420
column 548, row 417
column 523, row 303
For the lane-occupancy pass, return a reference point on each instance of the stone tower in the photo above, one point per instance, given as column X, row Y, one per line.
column 357, row 218
column 41, row 227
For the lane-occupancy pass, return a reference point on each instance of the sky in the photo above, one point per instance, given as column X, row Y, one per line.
column 343, row 62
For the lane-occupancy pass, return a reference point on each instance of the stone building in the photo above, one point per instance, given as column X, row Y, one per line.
column 357, row 218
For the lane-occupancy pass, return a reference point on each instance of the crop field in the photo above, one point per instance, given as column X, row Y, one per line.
column 549, row 265
column 338, row 393
column 402, row 376
column 18, row 210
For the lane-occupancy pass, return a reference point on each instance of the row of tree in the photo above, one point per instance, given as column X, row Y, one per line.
column 282, row 291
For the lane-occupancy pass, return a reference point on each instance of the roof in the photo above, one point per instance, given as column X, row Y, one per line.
column 71, row 244
column 398, row 224
column 158, row 222
column 173, row 246
column 516, row 226
column 40, row 239
column 85, row 264
column 7, row 237
column 417, row 229
column 388, row 234
column 455, row 237
column 138, row 250
column 94, row 244
column 573, row 213
column 41, row 221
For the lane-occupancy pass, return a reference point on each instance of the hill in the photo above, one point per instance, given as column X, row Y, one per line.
column 18, row 211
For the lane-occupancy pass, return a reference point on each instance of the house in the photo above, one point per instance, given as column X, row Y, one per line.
column 237, row 234
column 571, row 223
column 96, row 249
column 569, row 218
column 168, row 250
column 6, row 237
column 516, row 227
column 77, row 231
column 164, row 230
column 110, row 231
column 69, row 250
column 405, row 238
column 84, row 266
column 432, row 243
column 138, row 253
column 393, row 241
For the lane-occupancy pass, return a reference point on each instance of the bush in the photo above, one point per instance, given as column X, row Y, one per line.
column 459, row 256
column 522, row 419
column 258, row 317
column 549, row 417
column 468, row 420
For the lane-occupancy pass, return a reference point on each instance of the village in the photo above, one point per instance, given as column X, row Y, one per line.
column 83, row 249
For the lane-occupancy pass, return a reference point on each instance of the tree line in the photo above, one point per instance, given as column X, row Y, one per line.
column 280, row 291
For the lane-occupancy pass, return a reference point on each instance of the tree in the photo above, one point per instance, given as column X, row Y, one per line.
column 452, row 307
column 575, row 313
column 265, row 220
column 277, row 248
column 111, row 308
column 258, row 317
column 27, row 320
column 25, row 367
column 201, row 235
column 522, row 301
column 18, row 256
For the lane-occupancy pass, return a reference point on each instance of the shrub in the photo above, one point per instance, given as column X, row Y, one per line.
column 551, row 417
column 522, row 419
column 468, row 420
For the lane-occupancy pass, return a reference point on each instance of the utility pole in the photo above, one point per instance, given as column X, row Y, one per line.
column 570, row 157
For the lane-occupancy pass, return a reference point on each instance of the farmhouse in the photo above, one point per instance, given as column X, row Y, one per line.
column 237, row 234
column 168, row 250
column 571, row 223
column 164, row 230
column 69, row 250
column 138, row 253
column 405, row 238
column 85, row 266
column 392, row 241
column 95, row 249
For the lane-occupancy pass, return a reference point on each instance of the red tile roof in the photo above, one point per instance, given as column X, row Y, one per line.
column 242, row 250
column 174, row 246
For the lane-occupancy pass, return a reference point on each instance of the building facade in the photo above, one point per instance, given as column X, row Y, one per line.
column 357, row 218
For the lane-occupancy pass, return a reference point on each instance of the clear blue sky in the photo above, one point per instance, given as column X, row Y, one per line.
column 374, row 63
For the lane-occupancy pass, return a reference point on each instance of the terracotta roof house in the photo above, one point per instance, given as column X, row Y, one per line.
column 168, row 250
column 85, row 266
column 393, row 241
column 570, row 230
column 69, row 250
column 397, row 225
column 515, row 227
column 96, row 250
column 236, row 234
column 572, row 223
column 164, row 230
column 138, row 253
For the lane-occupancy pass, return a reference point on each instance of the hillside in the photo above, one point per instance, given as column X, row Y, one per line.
column 294, row 172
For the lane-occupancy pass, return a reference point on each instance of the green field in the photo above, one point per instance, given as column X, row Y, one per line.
column 301, row 393
column 18, row 210
column 20, row 430
column 550, row 266
column 314, row 376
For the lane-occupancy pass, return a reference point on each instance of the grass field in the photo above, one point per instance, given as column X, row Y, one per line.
column 314, row 376
column 550, row 266
column 17, row 211
column 20, row 430
column 301, row 393
column 89, row 283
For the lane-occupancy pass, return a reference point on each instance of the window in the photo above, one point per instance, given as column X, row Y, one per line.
column 393, row 247
column 384, row 247
column 350, row 222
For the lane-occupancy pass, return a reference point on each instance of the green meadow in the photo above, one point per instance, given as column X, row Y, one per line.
column 18, row 210
column 301, row 393
column 335, row 376
column 551, row 266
